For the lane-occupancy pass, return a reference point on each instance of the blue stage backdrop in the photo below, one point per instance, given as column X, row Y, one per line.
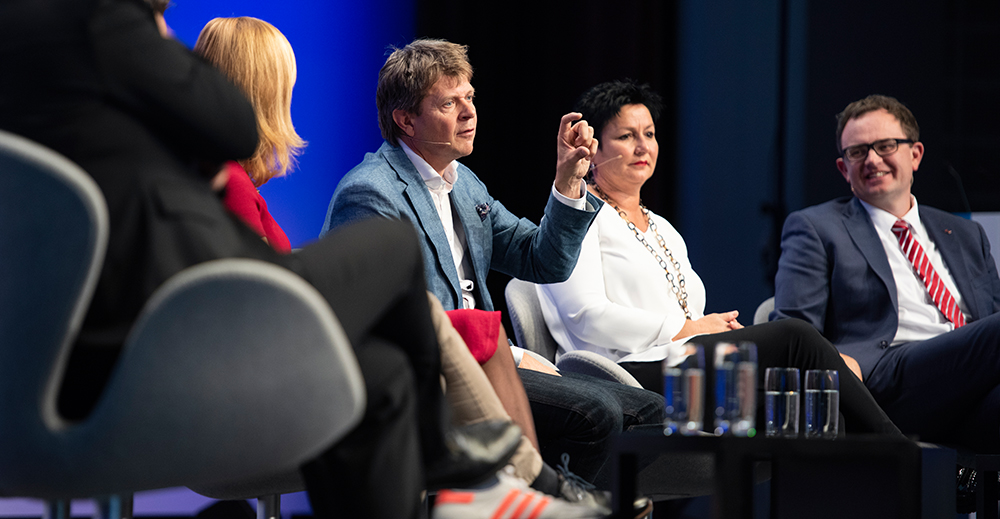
column 339, row 48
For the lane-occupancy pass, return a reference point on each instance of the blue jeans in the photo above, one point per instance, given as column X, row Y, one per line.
column 581, row 416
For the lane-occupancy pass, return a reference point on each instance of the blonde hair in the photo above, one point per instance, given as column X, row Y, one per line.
column 259, row 60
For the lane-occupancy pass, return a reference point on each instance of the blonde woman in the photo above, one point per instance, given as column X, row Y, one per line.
column 259, row 60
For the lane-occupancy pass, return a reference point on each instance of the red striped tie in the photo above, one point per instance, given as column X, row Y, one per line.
column 935, row 287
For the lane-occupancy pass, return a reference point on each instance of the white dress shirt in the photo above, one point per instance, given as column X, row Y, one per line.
column 919, row 318
column 439, row 186
column 618, row 302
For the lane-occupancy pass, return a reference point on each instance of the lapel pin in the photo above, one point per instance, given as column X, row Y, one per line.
column 483, row 210
column 947, row 231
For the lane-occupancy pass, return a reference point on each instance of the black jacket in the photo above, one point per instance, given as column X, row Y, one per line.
column 95, row 81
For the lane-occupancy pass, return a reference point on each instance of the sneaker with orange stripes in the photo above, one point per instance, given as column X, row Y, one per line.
column 508, row 498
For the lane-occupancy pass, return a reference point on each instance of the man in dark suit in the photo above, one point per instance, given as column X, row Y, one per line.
column 95, row 81
column 908, row 291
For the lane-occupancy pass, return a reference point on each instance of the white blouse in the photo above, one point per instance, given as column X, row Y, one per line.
column 618, row 302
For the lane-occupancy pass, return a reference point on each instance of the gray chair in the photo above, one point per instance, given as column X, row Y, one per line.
column 206, row 391
column 533, row 335
column 763, row 313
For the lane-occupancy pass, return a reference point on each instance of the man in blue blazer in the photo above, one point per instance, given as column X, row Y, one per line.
column 428, row 119
column 933, row 369
column 387, row 185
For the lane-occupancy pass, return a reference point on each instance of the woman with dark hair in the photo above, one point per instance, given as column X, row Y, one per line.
column 634, row 296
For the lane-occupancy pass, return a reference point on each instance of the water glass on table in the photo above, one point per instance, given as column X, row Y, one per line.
column 684, row 393
column 735, row 388
column 781, row 402
column 822, row 403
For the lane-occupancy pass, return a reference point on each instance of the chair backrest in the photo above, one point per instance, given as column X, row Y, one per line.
column 526, row 317
column 247, row 374
column 533, row 334
column 235, row 369
column 52, row 244
column 763, row 312
column 205, row 393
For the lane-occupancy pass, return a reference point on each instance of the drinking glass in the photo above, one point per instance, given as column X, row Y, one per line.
column 735, row 388
column 822, row 403
column 683, row 393
column 781, row 402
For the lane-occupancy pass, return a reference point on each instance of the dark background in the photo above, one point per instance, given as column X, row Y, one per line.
column 751, row 91
column 751, row 87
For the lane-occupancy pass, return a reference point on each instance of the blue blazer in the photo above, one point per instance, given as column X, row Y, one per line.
column 834, row 273
column 387, row 185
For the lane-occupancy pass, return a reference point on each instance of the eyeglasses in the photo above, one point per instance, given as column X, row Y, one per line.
column 884, row 147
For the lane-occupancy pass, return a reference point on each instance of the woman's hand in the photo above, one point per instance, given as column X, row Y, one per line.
column 852, row 364
column 711, row 323
column 220, row 179
column 529, row 362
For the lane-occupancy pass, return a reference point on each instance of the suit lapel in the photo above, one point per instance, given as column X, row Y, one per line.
column 478, row 241
column 427, row 216
column 862, row 231
column 951, row 252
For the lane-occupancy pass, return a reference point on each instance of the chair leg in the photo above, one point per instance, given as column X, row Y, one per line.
column 269, row 507
column 117, row 506
column 986, row 495
column 57, row 509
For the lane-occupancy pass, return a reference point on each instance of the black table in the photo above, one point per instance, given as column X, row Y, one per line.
column 856, row 477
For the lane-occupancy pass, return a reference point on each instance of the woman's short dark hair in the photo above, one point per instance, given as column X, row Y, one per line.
column 603, row 102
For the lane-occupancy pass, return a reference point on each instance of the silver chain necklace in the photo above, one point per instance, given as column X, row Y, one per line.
column 677, row 285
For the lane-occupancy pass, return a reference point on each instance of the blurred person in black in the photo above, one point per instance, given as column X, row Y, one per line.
column 151, row 123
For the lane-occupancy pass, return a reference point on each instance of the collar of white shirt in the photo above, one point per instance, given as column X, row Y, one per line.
column 883, row 219
column 434, row 181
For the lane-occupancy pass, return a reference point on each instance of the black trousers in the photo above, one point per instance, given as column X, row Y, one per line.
column 583, row 416
column 947, row 388
column 372, row 275
column 794, row 344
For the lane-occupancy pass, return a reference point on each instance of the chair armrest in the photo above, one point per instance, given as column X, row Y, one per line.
column 590, row 363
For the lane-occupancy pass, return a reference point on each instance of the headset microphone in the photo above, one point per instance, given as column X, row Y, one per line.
column 432, row 142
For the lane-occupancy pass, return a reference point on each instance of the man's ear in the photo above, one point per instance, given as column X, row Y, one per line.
column 916, row 154
column 842, row 166
column 404, row 120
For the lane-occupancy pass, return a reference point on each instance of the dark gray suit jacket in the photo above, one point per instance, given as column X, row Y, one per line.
column 834, row 274
column 387, row 185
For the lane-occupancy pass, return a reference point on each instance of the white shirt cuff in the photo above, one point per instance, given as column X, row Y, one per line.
column 579, row 204
column 517, row 353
